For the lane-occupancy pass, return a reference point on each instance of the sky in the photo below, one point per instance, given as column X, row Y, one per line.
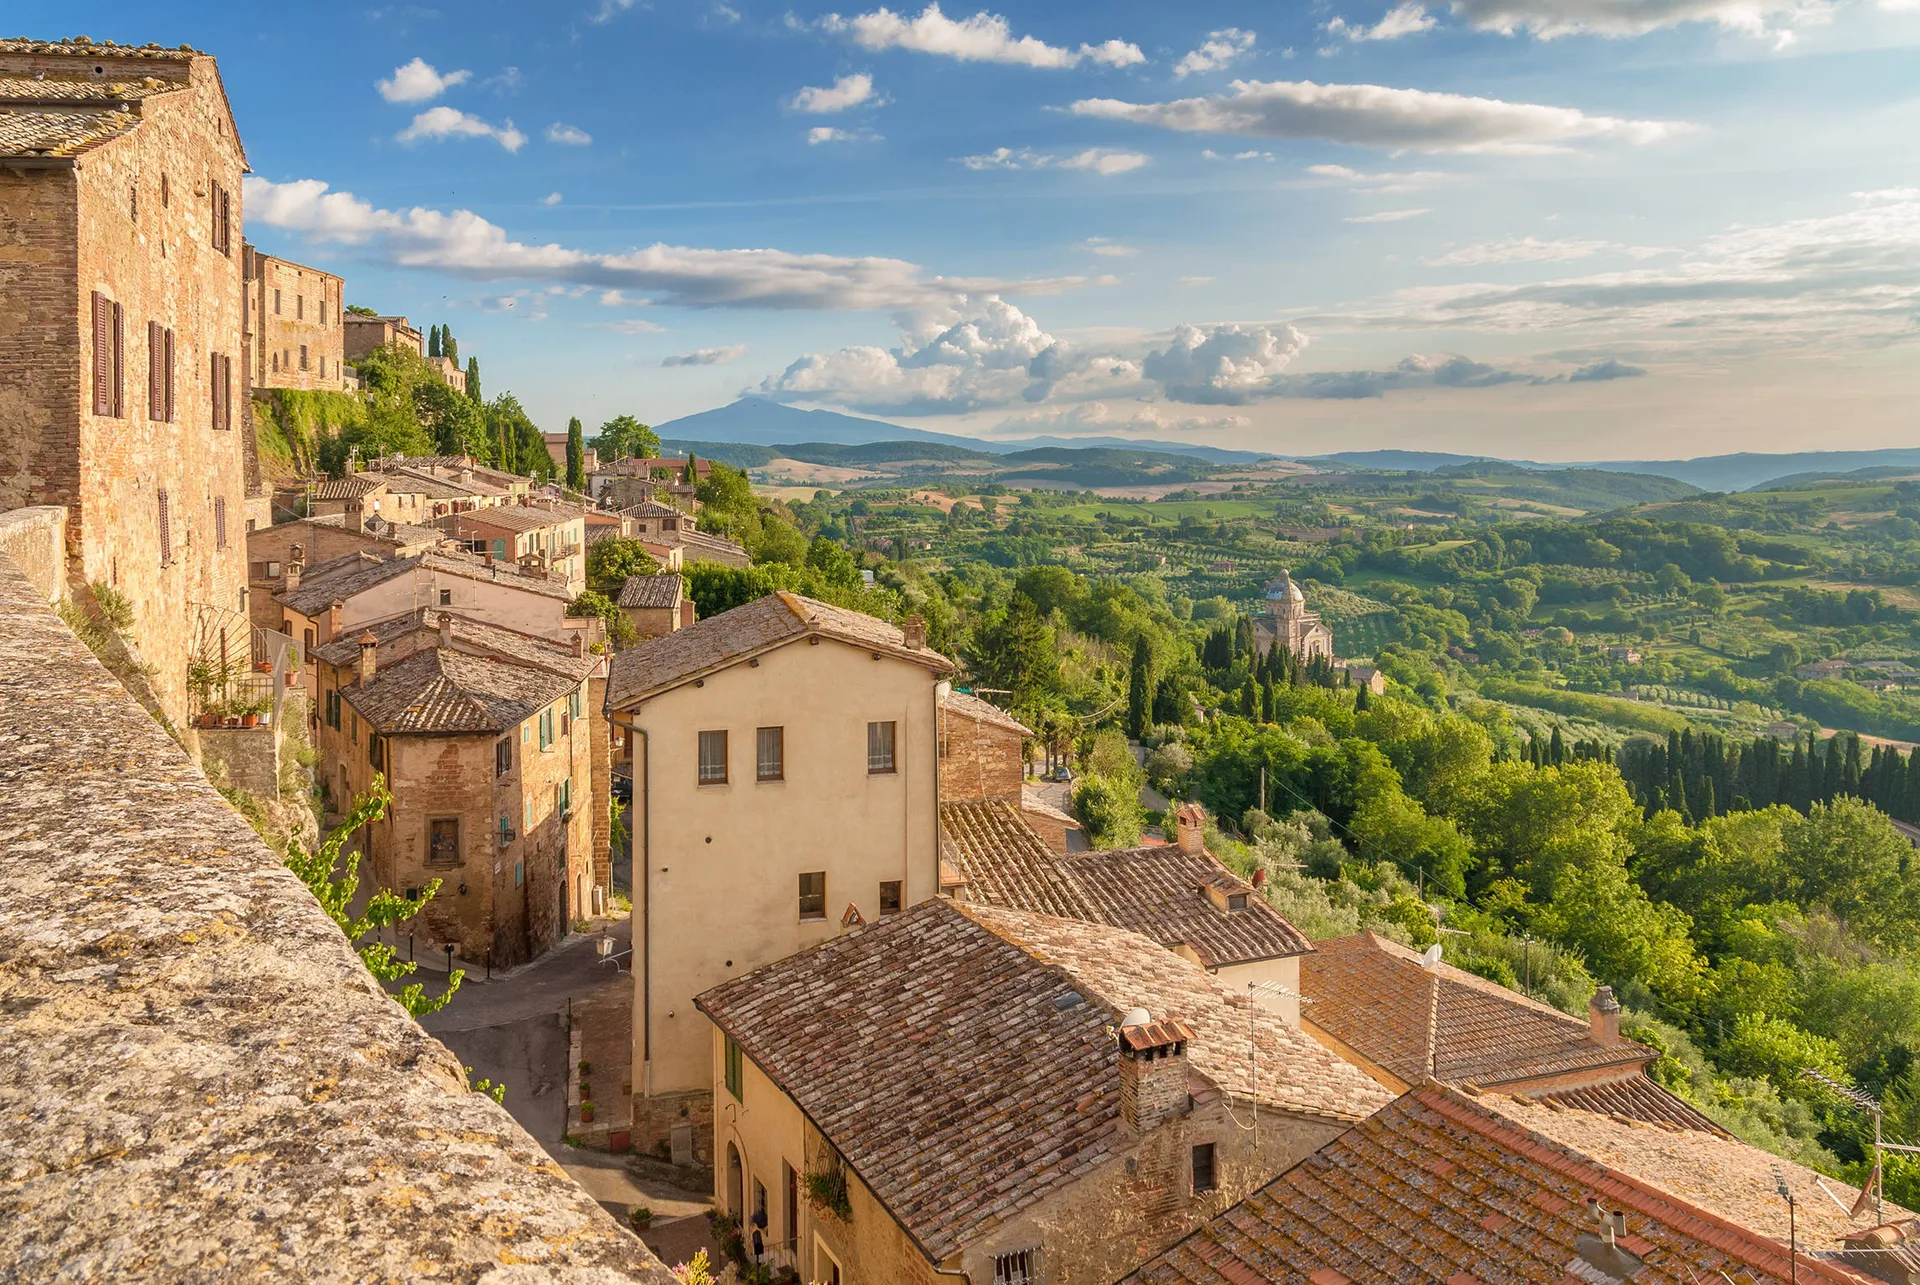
column 1544, row 229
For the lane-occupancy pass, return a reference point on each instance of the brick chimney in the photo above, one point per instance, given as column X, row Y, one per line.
column 290, row 572
column 1603, row 1017
column 336, row 622
column 1190, row 828
column 579, row 643
column 914, row 629
column 446, row 629
column 368, row 645
column 1153, row 1072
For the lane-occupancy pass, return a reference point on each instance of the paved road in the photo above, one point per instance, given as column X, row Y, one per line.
column 529, row 1056
column 544, row 986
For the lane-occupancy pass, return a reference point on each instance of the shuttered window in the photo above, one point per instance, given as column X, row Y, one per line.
column 219, row 521
column 156, row 393
column 166, row 377
column 109, row 356
column 222, row 220
column 166, row 529
column 220, row 373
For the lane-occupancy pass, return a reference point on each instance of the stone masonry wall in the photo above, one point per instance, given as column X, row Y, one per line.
column 203, row 1082
column 981, row 760
column 35, row 539
column 291, row 306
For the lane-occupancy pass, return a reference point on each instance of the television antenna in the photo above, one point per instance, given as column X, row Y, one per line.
column 1864, row 1101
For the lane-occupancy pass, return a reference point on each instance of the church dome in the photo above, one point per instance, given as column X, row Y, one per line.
column 1282, row 589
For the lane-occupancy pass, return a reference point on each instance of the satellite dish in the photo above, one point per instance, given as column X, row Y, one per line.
column 1430, row 956
column 1136, row 1017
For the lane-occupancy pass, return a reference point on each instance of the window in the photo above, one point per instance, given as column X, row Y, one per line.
column 443, row 842
column 789, row 1201
column 446, row 597
column 165, row 515
column 373, row 749
column 164, row 190
column 713, row 758
column 333, row 710
column 889, row 896
column 220, row 375
column 546, row 728
column 303, row 356
column 879, row 748
column 563, row 797
column 519, row 873
column 736, row 1073
column 526, row 733
column 1203, row 1175
column 1017, row 1268
column 276, row 303
column 109, row 357
column 1236, row 901
column 222, row 220
column 159, row 372
column 506, row 828
column 503, row 756
column 300, row 313
column 323, row 321
column 813, row 895
column 826, row 1268
column 770, row 754
column 219, row 521
column 759, row 1203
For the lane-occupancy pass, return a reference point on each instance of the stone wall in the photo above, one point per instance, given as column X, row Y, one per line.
column 979, row 759
column 294, row 328
column 250, row 755
column 203, row 1082
column 35, row 540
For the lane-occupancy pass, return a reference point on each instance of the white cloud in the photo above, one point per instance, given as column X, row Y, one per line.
column 1101, row 160
column 826, row 134
column 984, row 37
column 845, row 92
column 1105, row 417
column 418, row 82
column 1378, row 116
column 706, row 356
column 1528, row 249
column 464, row 244
column 448, row 122
column 1220, row 48
column 1107, row 247
column 1773, row 19
column 1402, row 20
column 610, row 9
column 551, row 198
column 1196, row 281
column 1386, row 216
column 505, row 82
column 1224, row 365
column 630, row 326
column 725, row 13
column 1382, row 182
column 571, row 135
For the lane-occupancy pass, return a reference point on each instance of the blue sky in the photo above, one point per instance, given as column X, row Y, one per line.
column 1560, row 229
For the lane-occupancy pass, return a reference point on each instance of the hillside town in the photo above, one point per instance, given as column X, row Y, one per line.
column 414, row 867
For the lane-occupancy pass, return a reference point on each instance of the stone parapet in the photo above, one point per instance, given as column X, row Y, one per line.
column 36, row 540
column 202, row 1081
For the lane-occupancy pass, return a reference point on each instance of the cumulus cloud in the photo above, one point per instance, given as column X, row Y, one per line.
column 1402, row 20
column 706, row 356
column 1450, row 371
column 630, row 326
column 1547, row 19
column 1529, row 249
column 1219, row 49
column 551, row 198
column 1101, row 160
column 1108, row 248
column 1382, row 182
column 448, row 122
column 418, row 82
column 845, row 92
column 1378, row 116
column 1105, row 417
column 826, row 134
column 1386, row 216
column 571, row 135
column 1604, row 370
column 984, row 37
column 463, row 244
column 1223, row 365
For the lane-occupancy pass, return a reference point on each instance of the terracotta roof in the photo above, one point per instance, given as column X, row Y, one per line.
column 435, row 487
column 471, row 636
column 1442, row 1187
column 518, row 518
column 1636, row 1097
column 959, row 1058
column 342, row 578
column 1376, row 997
column 1003, row 862
column 663, row 590
column 450, row 463
column 653, row 509
column 82, row 48
column 20, row 87
column 443, row 692
column 702, row 547
column 699, row 649
column 967, row 705
column 1160, row 892
column 351, row 487
column 1031, row 800
column 60, row 131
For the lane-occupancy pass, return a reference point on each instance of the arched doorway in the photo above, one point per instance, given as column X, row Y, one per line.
column 736, row 1183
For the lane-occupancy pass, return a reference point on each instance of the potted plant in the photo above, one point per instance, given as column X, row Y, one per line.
column 586, row 1113
column 641, row 1217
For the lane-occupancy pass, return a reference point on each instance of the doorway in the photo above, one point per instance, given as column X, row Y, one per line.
column 736, row 1183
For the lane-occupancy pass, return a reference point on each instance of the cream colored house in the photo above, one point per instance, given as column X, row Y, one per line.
column 783, row 756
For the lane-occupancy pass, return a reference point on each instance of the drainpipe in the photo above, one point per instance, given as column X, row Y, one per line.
column 643, row 790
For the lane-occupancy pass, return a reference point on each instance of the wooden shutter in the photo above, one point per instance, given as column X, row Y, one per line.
column 156, row 396
column 166, row 531
column 226, row 393
column 102, row 354
column 214, row 384
column 119, row 362
column 166, row 371
column 219, row 521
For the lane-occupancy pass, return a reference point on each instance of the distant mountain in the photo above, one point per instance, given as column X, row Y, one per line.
column 1741, row 472
column 756, row 421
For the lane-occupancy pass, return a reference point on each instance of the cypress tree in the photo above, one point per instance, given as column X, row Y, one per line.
column 1851, row 767
column 1677, row 795
column 577, row 457
column 433, row 341
column 1363, row 699
column 473, row 379
column 1139, row 681
column 1797, row 790
column 693, row 476
column 1556, row 747
column 448, row 348
column 1250, row 699
column 1707, row 806
column 1835, row 770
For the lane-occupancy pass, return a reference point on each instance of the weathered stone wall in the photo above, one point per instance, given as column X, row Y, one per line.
column 250, row 755
column 36, row 541
column 202, row 1081
column 289, row 307
column 979, row 760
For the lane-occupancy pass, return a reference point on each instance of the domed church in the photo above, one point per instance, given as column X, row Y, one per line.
column 1291, row 625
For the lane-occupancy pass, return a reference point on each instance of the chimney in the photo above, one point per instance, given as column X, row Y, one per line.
column 1190, row 828
column 290, row 572
column 336, row 622
column 579, row 644
column 1153, row 1070
column 446, row 629
column 915, row 630
column 368, row 645
column 1603, row 1017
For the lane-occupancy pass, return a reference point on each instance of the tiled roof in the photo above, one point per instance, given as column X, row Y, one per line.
column 1004, row 863
column 58, row 131
column 435, row 487
column 353, row 486
column 661, row 590
column 19, row 87
column 702, row 547
column 753, row 627
column 1635, row 1097
column 958, row 1057
column 518, row 518
column 454, row 464
column 653, row 509
column 1160, row 892
column 1376, row 997
column 79, row 48
column 470, row 635
column 342, row 578
column 1031, row 800
column 450, row 692
column 967, row 705
column 1442, row 1187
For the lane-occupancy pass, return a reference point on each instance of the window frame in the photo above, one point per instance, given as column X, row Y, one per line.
column 704, row 761
column 890, row 765
column 1017, row 1267
column 899, row 896
column 820, row 897
column 1212, row 1168
column 503, row 757
column 760, row 761
column 733, row 1069
column 434, row 861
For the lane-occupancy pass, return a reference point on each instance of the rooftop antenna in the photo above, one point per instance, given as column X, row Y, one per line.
column 1865, row 1101
column 1253, row 1049
column 1793, row 1235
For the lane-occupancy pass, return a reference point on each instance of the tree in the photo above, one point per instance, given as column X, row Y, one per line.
column 1014, row 649
column 610, row 562
column 620, row 630
column 449, row 348
column 473, row 380
column 1139, row 688
column 576, row 456
column 433, row 341
column 335, row 891
column 624, row 437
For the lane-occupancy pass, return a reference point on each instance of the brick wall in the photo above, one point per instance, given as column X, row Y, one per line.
column 981, row 760
column 291, row 308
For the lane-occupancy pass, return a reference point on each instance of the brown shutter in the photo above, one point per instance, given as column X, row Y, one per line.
column 154, row 394
column 213, row 384
column 102, row 355
column 166, row 531
column 219, row 521
column 167, row 376
column 119, row 362
column 226, row 393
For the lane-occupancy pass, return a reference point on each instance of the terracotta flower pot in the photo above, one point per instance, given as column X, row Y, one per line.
column 586, row 1113
column 249, row 720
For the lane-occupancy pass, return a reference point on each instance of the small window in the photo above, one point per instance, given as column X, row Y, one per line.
column 889, row 896
column 519, row 873
column 506, row 828
column 1236, row 901
column 219, row 521
column 1017, row 1268
column 563, row 797
column 276, row 303
column 272, row 571
column 166, row 529
column 303, row 356
column 546, row 728
column 300, row 314
column 576, row 704
column 736, row 1071
column 813, row 895
column 770, row 754
column 443, row 842
column 446, row 597
column 879, row 748
column 503, row 756
column 1204, row 1178
column 373, row 750
column 713, row 758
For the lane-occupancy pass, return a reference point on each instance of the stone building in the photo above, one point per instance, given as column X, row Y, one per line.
column 655, row 605
column 783, row 759
column 450, row 373
column 522, row 534
column 1290, row 624
column 121, row 357
column 285, row 550
column 485, row 740
column 295, row 338
column 1002, row 1096
column 362, row 334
